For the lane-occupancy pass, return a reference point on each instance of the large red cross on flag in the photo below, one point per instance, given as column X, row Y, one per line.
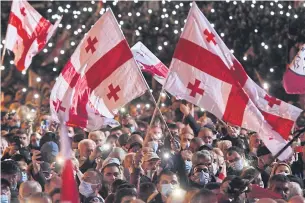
column 100, row 77
column 223, row 87
column 27, row 33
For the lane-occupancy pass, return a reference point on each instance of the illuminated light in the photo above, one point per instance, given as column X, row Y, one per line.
column 162, row 16
column 54, row 69
column 2, row 67
column 68, row 6
column 252, row 5
column 156, row 28
column 149, row 11
column 75, row 32
column 129, row 14
column 254, row 2
column 163, row 2
column 201, row 109
column 191, row 4
column 234, row 2
column 165, row 43
column 45, row 50
column 213, row 25
column 266, row 47
column 255, row 30
column 68, row 27
column 84, row 9
column 33, row 110
column 114, row 3
column 104, row 1
column 11, row 62
column 163, row 94
column 160, row 48
column 295, row 16
column 13, row 111
column 176, row 31
column 280, row 6
column 232, row 51
column 121, row 22
column 272, row 13
column 28, row 117
column 24, row 89
column 174, row 12
column 177, row 6
column 230, row 17
column 261, row 6
column 137, row 33
column 243, row 1
column 106, row 147
column 123, row 110
column 74, row 12
column 163, row 105
column 23, row 72
column 62, row 51
column 75, row 16
column 271, row 3
column 60, row 25
column 227, row 1
column 245, row 58
column 289, row 7
column 49, row 10
column 166, row 25
column 55, row 59
column 138, row 106
column 164, row 10
column 66, row 10
column 287, row 14
column 178, row 193
column 36, row 96
column 279, row 46
column 184, row 21
column 136, row 1
column 263, row 43
column 147, row 106
column 266, row 86
column 60, row 160
column 79, row 30
column 181, row 29
column 83, row 26
column 303, row 4
column 140, row 28
column 38, row 79
column 1, row 46
column 60, row 9
column 150, row 90
column 119, row 15
column 166, row 155
column 166, row 15
column 181, row 4
column 78, row 13
column 138, row 14
column 72, row 43
column 281, row 12
column 3, row 41
column 212, row 10
column 271, row 70
column 176, row 22
column 90, row 9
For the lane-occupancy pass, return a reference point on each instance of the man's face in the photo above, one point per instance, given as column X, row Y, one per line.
column 280, row 188
column 90, row 177
column 5, row 190
column 194, row 146
column 152, row 164
column 118, row 133
column 34, row 139
column 233, row 131
column 255, row 141
column 99, row 139
column 233, row 157
column 174, row 131
column 264, row 160
column 206, row 136
column 205, row 162
column 23, row 140
column 185, row 140
column 156, row 133
column 111, row 173
column 86, row 149
column 168, row 179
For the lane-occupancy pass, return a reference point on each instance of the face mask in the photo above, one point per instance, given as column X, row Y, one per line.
column 24, row 177
column 18, row 123
column 188, row 166
column 132, row 129
column 85, row 189
column 283, row 173
column 237, row 165
column 204, row 178
column 149, row 173
column 166, row 189
column 4, row 199
column 215, row 168
column 153, row 145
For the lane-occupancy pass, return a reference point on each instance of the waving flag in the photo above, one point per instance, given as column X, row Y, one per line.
column 149, row 62
column 294, row 77
column 205, row 72
column 100, row 77
column 27, row 33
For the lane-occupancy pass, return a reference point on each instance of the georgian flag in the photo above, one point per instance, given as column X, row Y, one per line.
column 204, row 72
column 27, row 33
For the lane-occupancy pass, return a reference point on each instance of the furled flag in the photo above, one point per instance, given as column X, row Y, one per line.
column 100, row 77
column 294, row 77
column 149, row 63
column 27, row 33
column 204, row 72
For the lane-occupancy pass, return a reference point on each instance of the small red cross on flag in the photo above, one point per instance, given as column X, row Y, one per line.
column 22, row 11
column 209, row 36
column 113, row 92
column 195, row 89
column 272, row 101
column 91, row 44
column 57, row 106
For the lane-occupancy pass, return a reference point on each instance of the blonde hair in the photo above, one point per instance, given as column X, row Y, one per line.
column 275, row 167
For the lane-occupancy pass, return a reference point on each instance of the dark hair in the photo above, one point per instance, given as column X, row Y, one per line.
column 110, row 198
column 279, row 178
column 78, row 137
column 116, row 128
column 9, row 167
column 228, row 178
column 54, row 192
column 19, row 157
column 123, row 139
column 5, row 182
column 212, row 186
column 98, row 174
column 166, row 172
column 20, row 132
column 295, row 179
column 145, row 190
column 237, row 150
column 120, row 194
column 172, row 126
column 126, row 185
column 111, row 137
column 201, row 194
column 49, row 136
column 116, row 184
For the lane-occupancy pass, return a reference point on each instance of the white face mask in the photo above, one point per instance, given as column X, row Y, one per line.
column 24, row 176
column 237, row 165
column 215, row 168
column 283, row 173
column 204, row 178
column 4, row 199
column 166, row 189
column 149, row 173
column 85, row 189
column 188, row 166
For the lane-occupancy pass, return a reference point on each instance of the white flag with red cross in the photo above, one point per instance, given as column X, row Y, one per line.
column 149, row 62
column 100, row 77
column 205, row 72
column 27, row 33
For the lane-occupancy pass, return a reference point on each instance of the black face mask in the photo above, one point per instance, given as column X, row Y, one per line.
column 303, row 143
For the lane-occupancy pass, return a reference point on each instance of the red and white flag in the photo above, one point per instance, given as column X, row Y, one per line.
column 205, row 72
column 294, row 77
column 100, row 77
column 27, row 33
column 149, row 63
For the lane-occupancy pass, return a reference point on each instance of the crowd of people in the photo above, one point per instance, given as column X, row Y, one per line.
column 196, row 159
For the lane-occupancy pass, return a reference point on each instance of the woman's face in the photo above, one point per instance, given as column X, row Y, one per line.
column 282, row 169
